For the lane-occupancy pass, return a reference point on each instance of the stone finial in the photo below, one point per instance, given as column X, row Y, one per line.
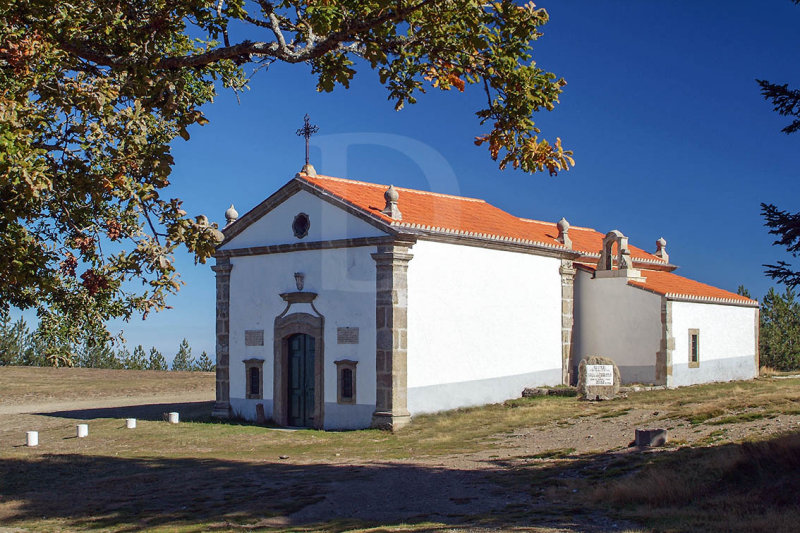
column 391, row 210
column 625, row 259
column 661, row 249
column 309, row 170
column 230, row 216
column 563, row 233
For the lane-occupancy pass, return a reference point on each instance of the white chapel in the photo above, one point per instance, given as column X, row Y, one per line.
column 343, row 304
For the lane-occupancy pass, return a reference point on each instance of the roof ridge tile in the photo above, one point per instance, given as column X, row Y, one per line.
column 404, row 189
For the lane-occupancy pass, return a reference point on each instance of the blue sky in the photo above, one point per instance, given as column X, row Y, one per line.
column 670, row 134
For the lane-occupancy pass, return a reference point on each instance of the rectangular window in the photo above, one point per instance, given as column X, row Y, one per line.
column 694, row 348
column 346, row 378
column 253, row 379
column 347, row 384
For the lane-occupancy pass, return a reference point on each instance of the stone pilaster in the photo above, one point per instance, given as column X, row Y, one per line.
column 664, row 355
column 391, row 323
column 567, row 271
column 757, row 347
column 222, row 406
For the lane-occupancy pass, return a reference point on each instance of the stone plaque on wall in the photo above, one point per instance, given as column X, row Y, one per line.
column 254, row 337
column 602, row 375
column 347, row 335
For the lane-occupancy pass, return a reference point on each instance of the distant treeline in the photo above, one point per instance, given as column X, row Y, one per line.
column 779, row 331
column 21, row 346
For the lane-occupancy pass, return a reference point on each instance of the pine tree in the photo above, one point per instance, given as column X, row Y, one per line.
column 15, row 340
column 784, row 224
column 183, row 359
column 157, row 361
column 205, row 364
column 137, row 360
column 742, row 291
column 98, row 354
column 779, row 338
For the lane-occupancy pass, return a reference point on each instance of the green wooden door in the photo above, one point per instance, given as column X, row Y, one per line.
column 301, row 380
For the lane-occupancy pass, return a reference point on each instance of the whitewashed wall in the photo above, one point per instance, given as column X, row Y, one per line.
column 615, row 320
column 327, row 223
column 727, row 343
column 343, row 278
column 482, row 325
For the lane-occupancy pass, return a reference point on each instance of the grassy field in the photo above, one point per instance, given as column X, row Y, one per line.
column 738, row 469
column 40, row 385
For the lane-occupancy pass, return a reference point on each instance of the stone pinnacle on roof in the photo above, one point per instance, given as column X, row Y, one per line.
column 661, row 249
column 231, row 215
column 563, row 233
column 391, row 210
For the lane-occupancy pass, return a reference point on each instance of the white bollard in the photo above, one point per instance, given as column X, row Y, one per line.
column 130, row 423
column 33, row 438
column 83, row 430
column 174, row 418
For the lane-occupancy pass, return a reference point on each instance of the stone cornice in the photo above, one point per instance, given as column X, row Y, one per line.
column 299, row 297
column 709, row 300
column 303, row 246
column 673, row 297
column 495, row 242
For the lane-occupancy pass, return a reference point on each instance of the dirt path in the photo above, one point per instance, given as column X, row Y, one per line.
column 102, row 403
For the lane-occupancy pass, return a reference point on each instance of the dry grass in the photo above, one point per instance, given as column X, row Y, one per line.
column 204, row 474
column 20, row 384
column 751, row 486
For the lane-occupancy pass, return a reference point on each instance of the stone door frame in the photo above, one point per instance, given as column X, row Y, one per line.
column 285, row 327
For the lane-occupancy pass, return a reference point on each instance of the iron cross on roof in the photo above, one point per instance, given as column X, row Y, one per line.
column 307, row 131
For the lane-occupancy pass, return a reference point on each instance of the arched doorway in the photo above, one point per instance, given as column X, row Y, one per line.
column 301, row 380
column 298, row 386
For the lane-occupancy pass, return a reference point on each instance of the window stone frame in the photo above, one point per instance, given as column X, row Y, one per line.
column 301, row 233
column 341, row 365
column 693, row 332
column 257, row 363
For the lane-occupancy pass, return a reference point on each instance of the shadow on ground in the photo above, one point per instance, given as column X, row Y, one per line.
column 90, row 492
column 752, row 486
column 154, row 411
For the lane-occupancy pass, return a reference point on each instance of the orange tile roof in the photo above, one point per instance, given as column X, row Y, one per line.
column 463, row 215
column 667, row 283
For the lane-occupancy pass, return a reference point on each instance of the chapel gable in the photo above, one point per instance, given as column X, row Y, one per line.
column 297, row 215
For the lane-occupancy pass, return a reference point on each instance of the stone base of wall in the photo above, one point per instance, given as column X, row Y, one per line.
column 445, row 396
column 221, row 410
column 389, row 421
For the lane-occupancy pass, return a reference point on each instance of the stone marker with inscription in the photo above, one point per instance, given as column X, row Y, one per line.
column 347, row 335
column 254, row 337
column 598, row 378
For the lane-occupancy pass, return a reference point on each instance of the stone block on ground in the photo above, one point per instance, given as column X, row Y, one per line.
column 598, row 378
column 651, row 437
column 530, row 392
column 534, row 391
